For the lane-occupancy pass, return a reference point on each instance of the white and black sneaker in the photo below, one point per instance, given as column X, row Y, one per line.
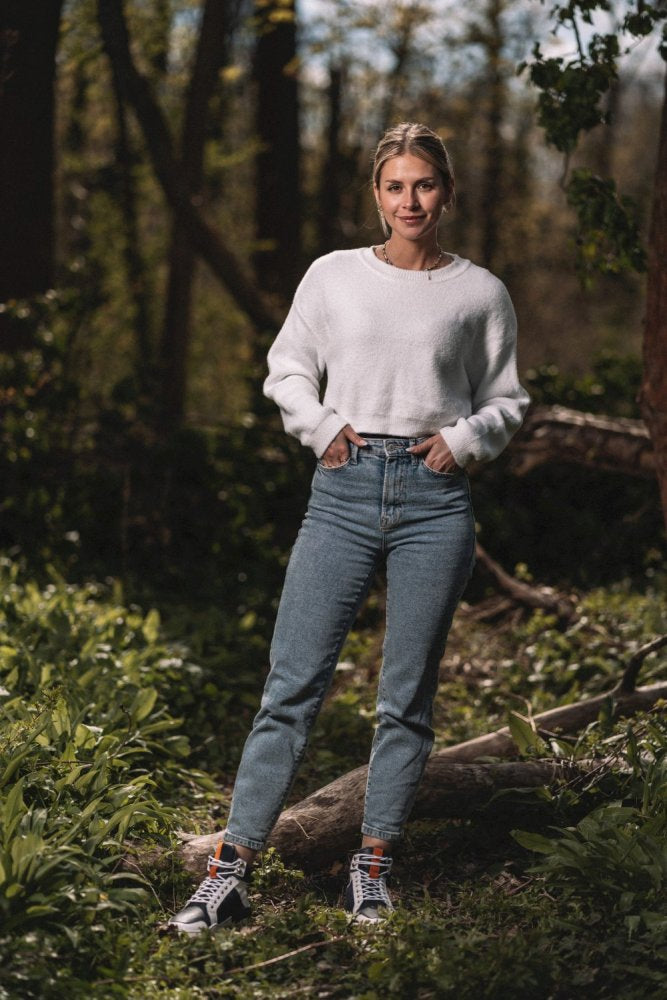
column 366, row 896
column 221, row 899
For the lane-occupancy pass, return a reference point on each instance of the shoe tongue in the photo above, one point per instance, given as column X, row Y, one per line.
column 223, row 852
column 228, row 853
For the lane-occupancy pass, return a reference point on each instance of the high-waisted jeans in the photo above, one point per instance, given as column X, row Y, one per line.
column 383, row 505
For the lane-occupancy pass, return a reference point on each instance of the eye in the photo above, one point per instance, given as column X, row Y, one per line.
column 427, row 185
column 393, row 187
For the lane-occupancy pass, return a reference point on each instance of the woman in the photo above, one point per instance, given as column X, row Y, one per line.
column 418, row 346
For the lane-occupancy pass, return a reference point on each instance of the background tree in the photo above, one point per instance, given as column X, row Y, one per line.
column 570, row 103
column 219, row 20
column 275, row 73
column 28, row 39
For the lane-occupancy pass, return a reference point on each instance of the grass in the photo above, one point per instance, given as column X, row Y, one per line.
column 543, row 896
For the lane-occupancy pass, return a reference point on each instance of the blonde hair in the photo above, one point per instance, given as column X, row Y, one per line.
column 422, row 141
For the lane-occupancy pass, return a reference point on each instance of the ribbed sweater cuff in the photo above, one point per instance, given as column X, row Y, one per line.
column 459, row 441
column 320, row 440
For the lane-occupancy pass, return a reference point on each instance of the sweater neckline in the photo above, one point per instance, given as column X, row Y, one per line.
column 457, row 266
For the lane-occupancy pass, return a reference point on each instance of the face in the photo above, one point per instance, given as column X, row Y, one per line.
column 412, row 195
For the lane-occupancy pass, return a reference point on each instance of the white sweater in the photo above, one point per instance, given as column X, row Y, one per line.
column 408, row 353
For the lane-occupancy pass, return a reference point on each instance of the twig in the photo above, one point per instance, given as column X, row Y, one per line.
column 287, row 954
column 523, row 593
column 629, row 679
column 230, row 972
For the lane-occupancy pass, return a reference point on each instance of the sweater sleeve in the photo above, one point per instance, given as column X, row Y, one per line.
column 499, row 402
column 296, row 366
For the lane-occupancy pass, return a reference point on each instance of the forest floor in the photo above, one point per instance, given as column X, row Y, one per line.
column 103, row 748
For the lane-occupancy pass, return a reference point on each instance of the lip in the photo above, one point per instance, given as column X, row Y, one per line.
column 411, row 218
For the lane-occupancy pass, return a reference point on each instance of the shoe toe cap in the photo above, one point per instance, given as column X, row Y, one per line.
column 190, row 919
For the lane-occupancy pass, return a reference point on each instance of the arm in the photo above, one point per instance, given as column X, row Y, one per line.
column 499, row 402
column 296, row 366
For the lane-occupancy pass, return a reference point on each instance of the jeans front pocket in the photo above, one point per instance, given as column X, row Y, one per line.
column 441, row 475
column 351, row 459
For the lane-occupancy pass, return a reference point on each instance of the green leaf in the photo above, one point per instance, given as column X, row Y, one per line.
column 533, row 841
column 143, row 703
column 151, row 625
column 524, row 735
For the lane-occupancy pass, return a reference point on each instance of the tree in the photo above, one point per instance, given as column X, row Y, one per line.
column 28, row 39
column 569, row 103
column 278, row 189
column 218, row 21
column 138, row 94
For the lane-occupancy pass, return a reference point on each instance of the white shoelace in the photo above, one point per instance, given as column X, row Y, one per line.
column 373, row 890
column 214, row 886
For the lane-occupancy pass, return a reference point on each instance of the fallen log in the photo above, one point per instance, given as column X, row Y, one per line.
column 326, row 824
column 559, row 434
column 562, row 720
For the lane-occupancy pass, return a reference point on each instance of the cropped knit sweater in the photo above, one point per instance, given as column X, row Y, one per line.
column 405, row 353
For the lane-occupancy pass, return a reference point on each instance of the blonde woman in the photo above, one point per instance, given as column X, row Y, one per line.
column 419, row 350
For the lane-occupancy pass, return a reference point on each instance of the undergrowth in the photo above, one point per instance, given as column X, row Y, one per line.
column 554, row 894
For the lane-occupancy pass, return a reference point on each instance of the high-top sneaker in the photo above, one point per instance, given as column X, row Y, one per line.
column 366, row 896
column 221, row 899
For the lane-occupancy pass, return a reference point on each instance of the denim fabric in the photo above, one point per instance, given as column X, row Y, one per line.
column 383, row 505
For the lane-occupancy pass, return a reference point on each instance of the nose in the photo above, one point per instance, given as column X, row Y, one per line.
column 411, row 200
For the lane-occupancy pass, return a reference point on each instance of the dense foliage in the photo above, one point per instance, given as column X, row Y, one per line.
column 149, row 500
column 95, row 768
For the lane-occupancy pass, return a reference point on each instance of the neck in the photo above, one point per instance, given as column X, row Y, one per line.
column 411, row 256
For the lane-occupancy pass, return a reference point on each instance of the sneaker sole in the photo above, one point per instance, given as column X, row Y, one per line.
column 193, row 931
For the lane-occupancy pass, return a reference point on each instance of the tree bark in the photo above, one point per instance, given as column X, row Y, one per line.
column 218, row 20
column 136, row 272
column 328, row 214
column 653, row 393
column 278, row 197
column 204, row 237
column 558, row 434
column 326, row 824
column 28, row 41
column 493, row 173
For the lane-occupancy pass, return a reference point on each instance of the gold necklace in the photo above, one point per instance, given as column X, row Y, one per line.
column 428, row 270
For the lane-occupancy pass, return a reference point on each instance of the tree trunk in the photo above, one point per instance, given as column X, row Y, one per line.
column 653, row 393
column 28, row 41
column 136, row 272
column 278, row 189
column 493, row 173
column 218, row 19
column 328, row 206
column 325, row 826
column 558, row 434
column 206, row 239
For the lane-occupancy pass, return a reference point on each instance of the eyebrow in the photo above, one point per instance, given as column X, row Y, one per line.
column 394, row 180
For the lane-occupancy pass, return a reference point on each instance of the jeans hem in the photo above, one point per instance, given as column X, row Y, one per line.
column 376, row 831
column 253, row 845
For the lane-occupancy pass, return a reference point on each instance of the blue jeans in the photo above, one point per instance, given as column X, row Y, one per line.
column 382, row 505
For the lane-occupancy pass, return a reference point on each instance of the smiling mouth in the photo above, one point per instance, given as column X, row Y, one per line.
column 411, row 218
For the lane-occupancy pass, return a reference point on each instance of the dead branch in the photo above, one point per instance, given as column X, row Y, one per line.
column 558, row 434
column 522, row 593
column 629, row 678
column 564, row 719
